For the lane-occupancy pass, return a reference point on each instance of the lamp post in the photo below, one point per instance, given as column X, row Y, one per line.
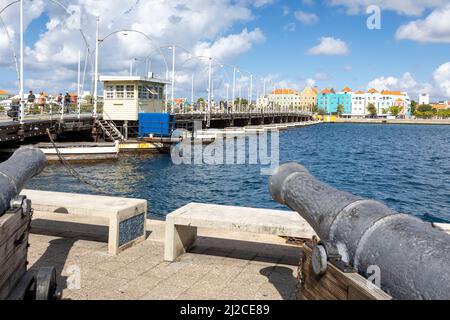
column 22, row 102
column 208, row 122
column 97, row 44
column 173, row 80
column 192, row 91
column 79, row 85
column 131, row 65
column 234, row 86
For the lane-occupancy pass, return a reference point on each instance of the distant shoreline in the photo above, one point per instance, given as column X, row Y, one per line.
column 396, row 121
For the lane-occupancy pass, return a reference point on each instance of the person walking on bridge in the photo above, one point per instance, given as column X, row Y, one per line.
column 67, row 101
column 30, row 100
column 60, row 102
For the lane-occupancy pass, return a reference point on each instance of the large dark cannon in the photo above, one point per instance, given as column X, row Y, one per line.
column 412, row 256
column 15, row 222
column 23, row 165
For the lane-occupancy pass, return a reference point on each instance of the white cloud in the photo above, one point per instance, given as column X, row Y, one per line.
column 321, row 76
column 229, row 47
column 330, row 46
column 437, row 87
column 442, row 79
column 290, row 27
column 404, row 7
column 308, row 2
column 201, row 26
column 405, row 83
column 286, row 10
column 262, row 3
column 434, row 28
column 306, row 18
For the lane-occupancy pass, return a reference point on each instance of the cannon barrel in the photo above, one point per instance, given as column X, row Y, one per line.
column 23, row 165
column 413, row 257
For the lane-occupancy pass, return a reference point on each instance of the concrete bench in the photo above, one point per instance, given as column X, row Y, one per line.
column 182, row 224
column 126, row 217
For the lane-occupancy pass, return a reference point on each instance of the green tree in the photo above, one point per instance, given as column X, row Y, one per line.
column 243, row 102
column 395, row 111
column 372, row 109
column 425, row 108
column 314, row 108
column 385, row 110
column 413, row 106
column 340, row 110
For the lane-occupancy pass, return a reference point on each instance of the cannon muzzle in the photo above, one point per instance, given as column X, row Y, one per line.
column 23, row 165
column 412, row 256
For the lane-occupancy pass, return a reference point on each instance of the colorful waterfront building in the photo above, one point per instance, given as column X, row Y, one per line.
column 329, row 101
column 441, row 105
column 359, row 106
column 388, row 99
column 308, row 99
column 372, row 97
column 287, row 99
column 4, row 95
column 345, row 99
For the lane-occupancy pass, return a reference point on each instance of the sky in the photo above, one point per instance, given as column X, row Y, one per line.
column 290, row 44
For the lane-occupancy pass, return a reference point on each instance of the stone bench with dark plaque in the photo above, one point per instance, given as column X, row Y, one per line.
column 126, row 217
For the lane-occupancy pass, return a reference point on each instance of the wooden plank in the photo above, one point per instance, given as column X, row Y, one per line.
column 12, row 282
column 13, row 256
column 10, row 244
column 335, row 284
column 9, row 270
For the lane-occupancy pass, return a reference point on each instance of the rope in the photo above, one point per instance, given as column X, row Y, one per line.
column 73, row 172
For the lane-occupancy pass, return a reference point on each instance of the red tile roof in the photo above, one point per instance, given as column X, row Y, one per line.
column 285, row 91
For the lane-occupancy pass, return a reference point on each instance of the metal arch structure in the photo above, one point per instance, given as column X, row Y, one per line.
column 60, row 5
column 20, row 73
column 96, row 52
column 147, row 58
column 14, row 53
column 151, row 39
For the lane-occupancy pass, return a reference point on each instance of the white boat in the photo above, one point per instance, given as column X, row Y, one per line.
column 80, row 151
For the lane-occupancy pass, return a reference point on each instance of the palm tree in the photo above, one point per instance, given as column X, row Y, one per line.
column 340, row 110
column 372, row 110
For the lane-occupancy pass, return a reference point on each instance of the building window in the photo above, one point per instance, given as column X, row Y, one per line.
column 119, row 92
column 130, row 92
column 143, row 93
column 109, row 92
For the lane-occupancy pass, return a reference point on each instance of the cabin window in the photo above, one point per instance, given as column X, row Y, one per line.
column 119, row 92
column 130, row 92
column 143, row 93
column 109, row 92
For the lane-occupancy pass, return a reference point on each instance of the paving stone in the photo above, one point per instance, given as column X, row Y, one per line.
column 214, row 269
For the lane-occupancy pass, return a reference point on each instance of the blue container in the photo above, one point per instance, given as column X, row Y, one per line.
column 156, row 124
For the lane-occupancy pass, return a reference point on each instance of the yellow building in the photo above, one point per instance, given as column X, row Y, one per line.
column 125, row 97
column 308, row 99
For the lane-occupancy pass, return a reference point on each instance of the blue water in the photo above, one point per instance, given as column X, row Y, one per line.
column 406, row 167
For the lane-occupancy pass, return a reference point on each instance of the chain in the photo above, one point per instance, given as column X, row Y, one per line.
column 73, row 172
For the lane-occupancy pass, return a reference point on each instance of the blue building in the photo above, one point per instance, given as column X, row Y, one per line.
column 329, row 101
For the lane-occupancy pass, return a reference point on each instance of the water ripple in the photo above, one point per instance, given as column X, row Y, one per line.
column 407, row 167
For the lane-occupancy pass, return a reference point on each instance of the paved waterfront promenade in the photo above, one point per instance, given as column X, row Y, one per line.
column 247, row 267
